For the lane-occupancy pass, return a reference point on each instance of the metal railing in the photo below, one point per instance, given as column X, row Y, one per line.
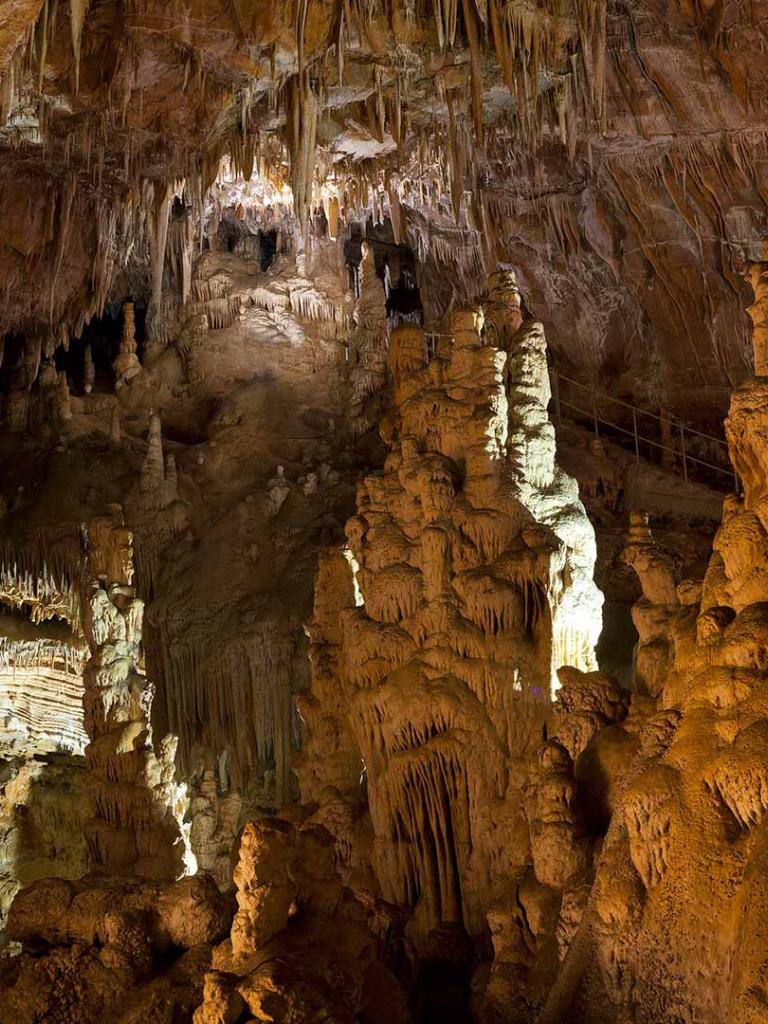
column 673, row 436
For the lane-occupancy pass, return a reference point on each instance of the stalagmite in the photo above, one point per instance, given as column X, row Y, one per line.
column 63, row 407
column 653, row 614
column 136, row 806
column 461, row 550
column 89, row 370
column 682, row 840
column 153, row 468
column 127, row 363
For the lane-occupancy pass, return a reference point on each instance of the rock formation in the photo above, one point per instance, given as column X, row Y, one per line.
column 473, row 558
column 123, row 951
column 367, row 348
column 137, row 808
column 268, row 269
column 670, row 929
column 127, row 363
column 278, row 963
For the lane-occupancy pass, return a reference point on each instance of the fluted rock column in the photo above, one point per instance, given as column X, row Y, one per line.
column 659, row 603
column 367, row 348
column 136, row 805
column 757, row 275
column 127, row 363
column 474, row 561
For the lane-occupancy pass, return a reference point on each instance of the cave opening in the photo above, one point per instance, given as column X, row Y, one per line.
column 229, row 232
column 267, row 248
column 102, row 335
column 404, row 299
column 395, row 265
column 11, row 364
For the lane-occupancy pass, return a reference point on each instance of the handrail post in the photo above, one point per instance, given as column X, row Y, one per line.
column 637, row 439
column 556, row 393
column 594, row 409
column 682, row 448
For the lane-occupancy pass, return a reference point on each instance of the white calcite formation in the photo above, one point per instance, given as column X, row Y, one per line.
column 137, row 806
column 41, row 687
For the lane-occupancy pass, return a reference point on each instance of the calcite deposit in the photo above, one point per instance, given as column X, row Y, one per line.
column 383, row 512
column 474, row 559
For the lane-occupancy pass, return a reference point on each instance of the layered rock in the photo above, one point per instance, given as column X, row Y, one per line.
column 41, row 687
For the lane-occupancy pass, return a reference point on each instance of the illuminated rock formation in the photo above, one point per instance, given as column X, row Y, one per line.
column 41, row 687
column 474, row 561
column 329, row 757
column 367, row 348
column 672, row 929
column 137, row 807
column 757, row 275
column 484, row 813
column 281, row 962
column 330, row 767
column 215, row 819
column 654, row 612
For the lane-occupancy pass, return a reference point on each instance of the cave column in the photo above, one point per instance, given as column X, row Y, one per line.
column 757, row 275
column 654, row 611
column 367, row 372
column 136, row 807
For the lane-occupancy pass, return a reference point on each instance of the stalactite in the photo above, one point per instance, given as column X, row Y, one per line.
column 161, row 197
column 469, row 7
column 77, row 12
column 303, row 113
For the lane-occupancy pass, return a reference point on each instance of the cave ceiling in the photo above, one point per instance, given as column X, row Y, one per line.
column 614, row 153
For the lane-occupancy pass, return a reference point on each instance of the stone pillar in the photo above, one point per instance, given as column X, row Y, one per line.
column 136, row 807
column 653, row 612
column 757, row 275
column 367, row 369
column 127, row 363
column 503, row 314
column 475, row 563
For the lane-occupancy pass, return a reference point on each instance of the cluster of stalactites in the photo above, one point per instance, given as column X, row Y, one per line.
column 524, row 42
column 42, row 596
